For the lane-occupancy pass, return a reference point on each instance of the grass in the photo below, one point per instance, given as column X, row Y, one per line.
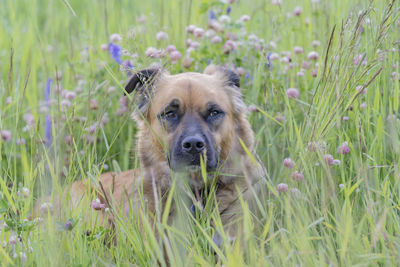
column 343, row 214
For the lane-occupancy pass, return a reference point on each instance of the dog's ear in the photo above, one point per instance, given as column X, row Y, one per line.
column 231, row 77
column 142, row 80
column 142, row 83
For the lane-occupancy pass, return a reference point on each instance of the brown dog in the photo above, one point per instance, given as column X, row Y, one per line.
column 183, row 120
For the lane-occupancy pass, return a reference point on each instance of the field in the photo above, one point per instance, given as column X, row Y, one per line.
column 320, row 78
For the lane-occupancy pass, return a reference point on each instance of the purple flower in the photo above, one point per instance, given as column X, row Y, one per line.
column 48, row 130
column 211, row 15
column 288, row 163
column 292, row 93
column 329, row 159
column 115, row 52
column 297, row 176
column 282, row 187
column 5, row 135
column 127, row 66
column 47, row 91
column 228, row 10
column 344, row 148
column 97, row 205
column 48, row 133
column 268, row 64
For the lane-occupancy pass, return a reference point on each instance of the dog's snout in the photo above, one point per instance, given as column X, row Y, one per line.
column 193, row 144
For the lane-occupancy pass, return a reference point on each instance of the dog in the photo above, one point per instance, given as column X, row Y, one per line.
column 187, row 123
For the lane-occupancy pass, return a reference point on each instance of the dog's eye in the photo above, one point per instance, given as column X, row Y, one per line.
column 170, row 115
column 214, row 113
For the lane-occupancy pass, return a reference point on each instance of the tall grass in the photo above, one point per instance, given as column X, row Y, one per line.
column 343, row 214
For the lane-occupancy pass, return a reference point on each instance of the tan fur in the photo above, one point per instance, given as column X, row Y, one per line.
column 194, row 90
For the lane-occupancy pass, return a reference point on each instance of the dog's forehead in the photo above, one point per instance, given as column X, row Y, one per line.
column 193, row 90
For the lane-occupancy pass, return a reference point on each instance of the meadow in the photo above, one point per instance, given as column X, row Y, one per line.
column 321, row 81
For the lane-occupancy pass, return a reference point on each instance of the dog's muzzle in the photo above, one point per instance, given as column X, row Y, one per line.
column 189, row 150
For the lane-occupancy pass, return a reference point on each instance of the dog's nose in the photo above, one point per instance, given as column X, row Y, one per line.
column 193, row 144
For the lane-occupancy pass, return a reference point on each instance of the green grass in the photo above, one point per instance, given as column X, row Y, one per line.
column 356, row 223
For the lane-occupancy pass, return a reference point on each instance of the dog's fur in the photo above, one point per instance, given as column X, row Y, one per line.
column 173, row 108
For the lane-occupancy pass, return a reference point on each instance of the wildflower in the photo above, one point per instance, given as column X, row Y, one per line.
column 152, row 52
column 313, row 55
column 224, row 19
column 306, row 64
column 276, row 2
column 229, row 46
column 25, row 192
column 345, row 118
column 115, row 37
column 65, row 103
column 274, row 56
column 160, row 36
column 175, row 56
column 97, row 205
column 20, row 141
column 231, row 36
column 198, row 32
column 282, row 187
column 105, row 167
column 245, row 18
column 292, row 93
column 228, row 10
column 336, row 162
column 48, row 132
column 285, row 59
column 357, row 59
column 252, row 38
column 314, row 73
column 141, row 19
column 316, row 43
column 363, row 105
column 8, row 100
column 328, row 159
column 341, row 186
column 288, row 163
column 12, row 240
column 252, row 108
column 344, row 148
column 104, row 47
column 211, row 15
column 215, row 25
column 210, row 33
column 300, row 74
column 297, row 176
column 46, row 207
column 68, row 225
column 5, row 135
column 361, row 89
column 216, row 39
column 190, row 28
column 69, row 94
column 170, row 48
column 115, row 52
column 111, row 89
column 241, row 71
column 187, row 62
column 297, row 11
column 298, row 50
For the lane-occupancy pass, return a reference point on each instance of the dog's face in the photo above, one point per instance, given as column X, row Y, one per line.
column 191, row 116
